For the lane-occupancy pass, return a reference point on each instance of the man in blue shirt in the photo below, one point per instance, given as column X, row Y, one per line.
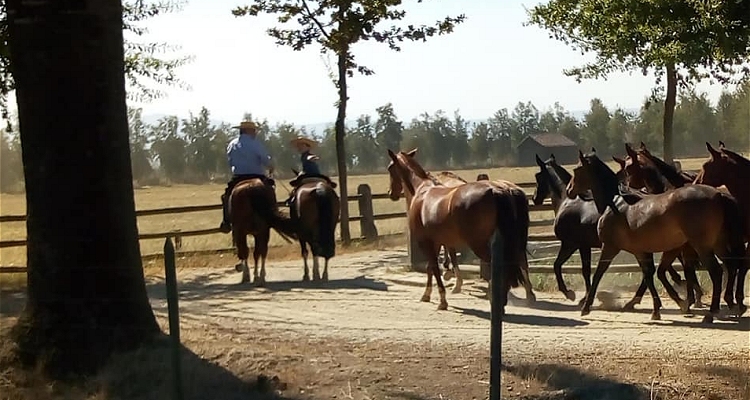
column 248, row 158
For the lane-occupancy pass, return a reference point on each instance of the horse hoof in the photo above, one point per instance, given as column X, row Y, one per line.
column 582, row 302
column 306, row 278
column 456, row 290
column 708, row 319
column 585, row 312
column 260, row 283
column 684, row 307
column 570, row 295
column 316, row 277
column 325, row 277
column 447, row 275
column 245, row 279
column 629, row 307
column 656, row 316
column 443, row 306
column 531, row 299
column 699, row 304
column 238, row 267
column 425, row 299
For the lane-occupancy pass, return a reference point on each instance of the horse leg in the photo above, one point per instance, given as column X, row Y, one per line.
column 530, row 296
column 325, row 270
column 646, row 261
column 261, row 251
column 563, row 255
column 243, row 252
column 667, row 259
column 431, row 251
column 729, row 287
column 664, row 265
column 605, row 260
column 715, row 271
column 585, row 253
column 456, row 271
column 739, row 293
column 316, row 267
column 689, row 256
column 303, row 251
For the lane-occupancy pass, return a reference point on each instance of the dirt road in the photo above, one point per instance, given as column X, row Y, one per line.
column 371, row 303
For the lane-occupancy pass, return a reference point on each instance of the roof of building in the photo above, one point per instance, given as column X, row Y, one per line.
column 550, row 140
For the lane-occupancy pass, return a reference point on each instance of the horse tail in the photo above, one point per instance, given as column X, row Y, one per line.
column 326, row 225
column 508, row 243
column 734, row 226
column 265, row 207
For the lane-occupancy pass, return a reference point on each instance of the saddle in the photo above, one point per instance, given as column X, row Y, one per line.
column 307, row 178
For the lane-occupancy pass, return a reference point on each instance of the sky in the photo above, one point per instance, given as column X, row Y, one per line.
column 491, row 61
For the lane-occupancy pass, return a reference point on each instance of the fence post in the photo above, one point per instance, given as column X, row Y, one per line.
column 174, row 316
column 367, row 222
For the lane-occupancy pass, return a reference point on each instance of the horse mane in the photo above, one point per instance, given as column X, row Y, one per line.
column 449, row 174
column 559, row 177
column 417, row 169
column 668, row 172
column 605, row 186
column 738, row 159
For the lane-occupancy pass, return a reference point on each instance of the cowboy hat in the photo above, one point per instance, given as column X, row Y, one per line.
column 246, row 125
column 302, row 139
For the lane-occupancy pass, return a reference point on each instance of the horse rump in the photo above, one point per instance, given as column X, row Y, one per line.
column 326, row 222
column 509, row 241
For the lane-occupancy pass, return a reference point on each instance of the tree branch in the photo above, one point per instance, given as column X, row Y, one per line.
column 312, row 17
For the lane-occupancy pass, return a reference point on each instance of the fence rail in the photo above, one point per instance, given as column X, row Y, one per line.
column 366, row 219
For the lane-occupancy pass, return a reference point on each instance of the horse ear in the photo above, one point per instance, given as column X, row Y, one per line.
column 643, row 146
column 593, row 150
column 581, row 157
column 712, row 151
column 630, row 151
column 539, row 161
column 413, row 152
column 721, row 145
column 552, row 156
column 619, row 161
column 391, row 155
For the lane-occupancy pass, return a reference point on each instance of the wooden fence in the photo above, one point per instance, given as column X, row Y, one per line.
column 366, row 219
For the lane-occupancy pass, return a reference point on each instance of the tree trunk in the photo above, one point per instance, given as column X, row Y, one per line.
column 86, row 291
column 340, row 149
column 669, row 105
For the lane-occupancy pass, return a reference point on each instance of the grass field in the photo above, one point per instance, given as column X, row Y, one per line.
column 184, row 195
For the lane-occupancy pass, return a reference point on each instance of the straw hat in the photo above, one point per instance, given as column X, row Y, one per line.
column 246, row 125
column 302, row 139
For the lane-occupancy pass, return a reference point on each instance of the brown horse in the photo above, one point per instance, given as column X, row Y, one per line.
column 640, row 224
column 729, row 169
column 450, row 179
column 316, row 213
column 253, row 211
column 492, row 220
column 643, row 170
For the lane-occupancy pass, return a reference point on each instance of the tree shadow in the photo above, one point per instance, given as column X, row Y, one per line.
column 572, row 383
column 533, row 320
column 147, row 374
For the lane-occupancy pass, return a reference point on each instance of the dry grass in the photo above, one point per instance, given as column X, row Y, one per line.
column 184, row 195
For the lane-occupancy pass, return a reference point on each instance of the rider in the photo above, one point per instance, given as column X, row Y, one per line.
column 248, row 159
column 310, row 167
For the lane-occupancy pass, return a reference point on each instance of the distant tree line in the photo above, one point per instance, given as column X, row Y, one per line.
column 193, row 150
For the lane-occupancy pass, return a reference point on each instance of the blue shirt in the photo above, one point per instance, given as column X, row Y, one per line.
column 247, row 156
column 309, row 166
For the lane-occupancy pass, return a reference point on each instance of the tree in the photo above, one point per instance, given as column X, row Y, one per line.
column 145, row 68
column 336, row 26
column 682, row 40
column 388, row 130
column 169, row 148
column 86, row 290
column 595, row 126
column 140, row 155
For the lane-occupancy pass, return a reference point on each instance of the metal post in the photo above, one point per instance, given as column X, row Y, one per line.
column 496, row 321
column 174, row 316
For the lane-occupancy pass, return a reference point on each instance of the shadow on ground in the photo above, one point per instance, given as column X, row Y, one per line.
column 205, row 286
column 534, row 320
column 565, row 383
column 12, row 302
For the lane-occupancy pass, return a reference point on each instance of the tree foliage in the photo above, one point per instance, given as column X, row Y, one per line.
column 684, row 40
column 148, row 66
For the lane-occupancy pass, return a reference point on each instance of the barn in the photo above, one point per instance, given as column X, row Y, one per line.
column 544, row 144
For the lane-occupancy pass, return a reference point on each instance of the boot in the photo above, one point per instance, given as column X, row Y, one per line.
column 225, row 226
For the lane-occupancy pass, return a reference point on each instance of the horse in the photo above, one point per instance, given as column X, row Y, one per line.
column 575, row 221
column 490, row 218
column 316, row 213
column 642, row 224
column 643, row 170
column 731, row 170
column 253, row 211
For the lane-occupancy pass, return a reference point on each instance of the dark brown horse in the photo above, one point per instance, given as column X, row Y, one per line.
column 575, row 221
column 729, row 169
column 316, row 213
column 643, row 170
column 640, row 224
column 491, row 220
column 253, row 211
